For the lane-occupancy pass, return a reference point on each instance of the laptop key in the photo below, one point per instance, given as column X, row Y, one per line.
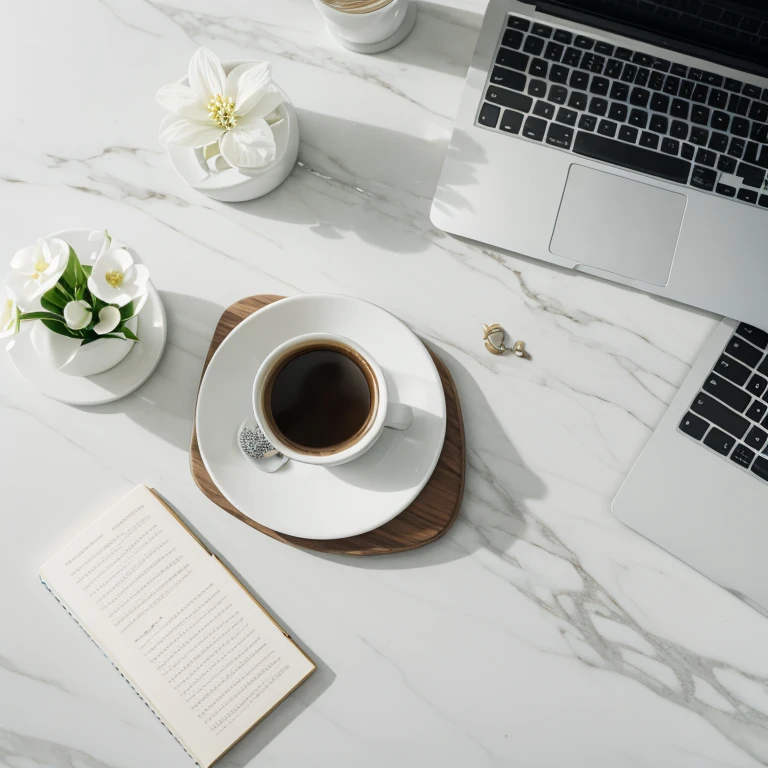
column 760, row 467
column 560, row 135
column 693, row 426
column 623, row 53
column 539, row 68
column 563, row 36
column 763, row 201
column 700, row 115
column 747, row 195
column 726, row 164
column 544, row 109
column 720, row 415
column 680, row 109
column 756, row 438
column 639, row 97
column 534, row 45
column 717, row 99
column 742, row 455
column 599, row 86
column 732, row 85
column 557, row 94
column 759, row 111
column 756, row 385
column 579, row 80
column 679, row 129
column 718, row 441
column 641, row 78
column 638, row 118
column 650, row 140
column 607, row 128
column 740, row 126
column 718, row 142
column 572, row 57
column 489, row 115
column 558, row 73
column 613, row 68
column 583, row 42
column 700, row 94
column 757, row 411
column 725, row 190
column 513, row 38
column 660, row 103
column 736, row 147
column 659, row 124
column 679, row 70
column 755, row 335
column 726, row 366
column 751, row 175
column 656, row 81
column 542, row 30
column 699, row 136
column 578, row 100
column 508, row 78
column 566, row 116
column 604, row 48
column 589, row 123
column 670, row 146
column 723, row 390
column 618, row 112
column 518, row 23
column 671, row 85
column 688, row 151
column 511, row 121
column 512, row 59
column 628, row 133
column 537, row 88
column 598, row 106
column 631, row 156
column 707, row 157
column 629, row 72
column 619, row 91
column 554, row 51
column 753, row 91
column 511, row 99
column 534, row 128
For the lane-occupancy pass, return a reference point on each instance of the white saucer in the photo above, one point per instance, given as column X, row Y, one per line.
column 322, row 502
column 117, row 382
column 394, row 39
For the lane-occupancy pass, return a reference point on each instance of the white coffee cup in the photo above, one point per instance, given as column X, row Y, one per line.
column 383, row 411
column 364, row 28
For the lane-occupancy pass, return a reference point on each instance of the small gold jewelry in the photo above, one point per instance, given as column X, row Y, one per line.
column 494, row 335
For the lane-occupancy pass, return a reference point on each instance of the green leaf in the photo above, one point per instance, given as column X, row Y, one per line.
column 60, row 328
column 127, row 311
column 73, row 276
column 42, row 316
column 87, row 269
column 128, row 333
column 54, row 298
column 49, row 305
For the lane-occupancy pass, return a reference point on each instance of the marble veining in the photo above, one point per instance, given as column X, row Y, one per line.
column 539, row 632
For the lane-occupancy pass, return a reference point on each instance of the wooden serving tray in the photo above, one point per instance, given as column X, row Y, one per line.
column 429, row 516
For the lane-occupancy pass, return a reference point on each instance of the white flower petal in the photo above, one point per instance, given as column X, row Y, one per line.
column 206, row 75
column 252, row 146
column 24, row 259
column 8, row 314
column 190, row 133
column 268, row 103
column 182, row 100
column 247, row 83
column 109, row 319
column 77, row 314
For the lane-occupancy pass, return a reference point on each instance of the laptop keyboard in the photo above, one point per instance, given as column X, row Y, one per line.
column 730, row 414
column 630, row 109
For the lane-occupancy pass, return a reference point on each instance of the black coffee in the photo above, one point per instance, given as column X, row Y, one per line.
column 320, row 399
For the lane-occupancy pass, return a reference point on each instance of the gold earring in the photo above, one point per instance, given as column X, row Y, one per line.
column 494, row 337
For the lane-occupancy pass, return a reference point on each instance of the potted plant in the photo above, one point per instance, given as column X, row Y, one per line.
column 84, row 312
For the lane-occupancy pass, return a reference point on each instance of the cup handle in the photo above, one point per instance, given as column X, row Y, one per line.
column 398, row 416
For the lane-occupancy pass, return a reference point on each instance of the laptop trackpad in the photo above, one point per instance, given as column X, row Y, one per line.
column 618, row 225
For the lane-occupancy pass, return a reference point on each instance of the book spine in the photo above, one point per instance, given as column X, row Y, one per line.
column 107, row 656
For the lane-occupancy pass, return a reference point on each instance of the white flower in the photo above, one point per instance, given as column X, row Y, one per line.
column 77, row 314
column 36, row 269
column 109, row 319
column 231, row 110
column 115, row 279
column 9, row 315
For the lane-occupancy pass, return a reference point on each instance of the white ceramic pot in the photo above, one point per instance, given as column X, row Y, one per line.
column 68, row 356
column 369, row 32
column 217, row 179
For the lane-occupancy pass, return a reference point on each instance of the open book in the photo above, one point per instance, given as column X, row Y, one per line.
column 203, row 654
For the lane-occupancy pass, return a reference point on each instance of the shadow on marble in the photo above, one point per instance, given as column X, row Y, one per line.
column 287, row 711
column 483, row 523
column 443, row 39
column 165, row 404
column 385, row 179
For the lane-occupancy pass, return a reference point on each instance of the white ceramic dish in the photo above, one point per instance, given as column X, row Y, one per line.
column 129, row 374
column 311, row 501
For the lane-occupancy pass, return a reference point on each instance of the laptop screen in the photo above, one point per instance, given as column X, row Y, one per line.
column 736, row 29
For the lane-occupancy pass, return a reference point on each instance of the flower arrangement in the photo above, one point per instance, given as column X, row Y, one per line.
column 228, row 114
column 84, row 302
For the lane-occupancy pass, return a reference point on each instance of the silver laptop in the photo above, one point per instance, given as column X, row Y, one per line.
column 628, row 139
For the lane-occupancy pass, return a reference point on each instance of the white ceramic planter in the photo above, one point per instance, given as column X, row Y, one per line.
column 217, row 179
column 88, row 360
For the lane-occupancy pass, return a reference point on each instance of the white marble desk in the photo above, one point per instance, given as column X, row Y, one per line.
column 539, row 633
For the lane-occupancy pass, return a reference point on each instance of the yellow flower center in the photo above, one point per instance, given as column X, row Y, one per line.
column 114, row 278
column 221, row 110
column 41, row 264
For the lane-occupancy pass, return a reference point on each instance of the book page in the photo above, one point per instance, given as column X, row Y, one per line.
column 194, row 643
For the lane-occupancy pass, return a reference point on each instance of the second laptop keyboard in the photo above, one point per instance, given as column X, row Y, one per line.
column 630, row 109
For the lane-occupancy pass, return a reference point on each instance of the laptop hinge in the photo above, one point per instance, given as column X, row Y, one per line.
column 580, row 16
